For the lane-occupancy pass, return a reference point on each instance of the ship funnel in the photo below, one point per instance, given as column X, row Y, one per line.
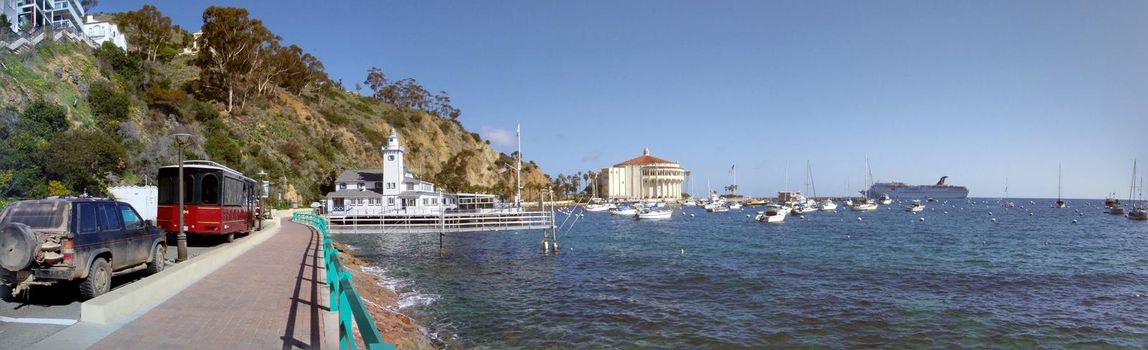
column 942, row 182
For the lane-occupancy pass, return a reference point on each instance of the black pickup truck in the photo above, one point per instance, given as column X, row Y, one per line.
column 59, row 240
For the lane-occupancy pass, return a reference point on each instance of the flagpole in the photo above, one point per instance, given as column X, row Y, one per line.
column 518, row 169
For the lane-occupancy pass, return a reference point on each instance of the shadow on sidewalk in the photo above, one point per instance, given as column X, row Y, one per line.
column 312, row 306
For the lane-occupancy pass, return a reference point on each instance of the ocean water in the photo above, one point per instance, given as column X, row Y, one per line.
column 1031, row 279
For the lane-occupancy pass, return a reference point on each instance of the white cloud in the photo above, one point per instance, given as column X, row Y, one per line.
column 498, row 137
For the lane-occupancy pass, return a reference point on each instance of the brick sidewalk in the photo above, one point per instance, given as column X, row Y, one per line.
column 261, row 300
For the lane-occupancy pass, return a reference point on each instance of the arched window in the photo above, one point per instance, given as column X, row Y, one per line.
column 210, row 189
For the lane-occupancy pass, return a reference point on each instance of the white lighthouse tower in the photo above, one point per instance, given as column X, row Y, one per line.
column 393, row 167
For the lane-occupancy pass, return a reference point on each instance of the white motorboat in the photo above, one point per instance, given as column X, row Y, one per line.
column 735, row 206
column 598, row 207
column 916, row 206
column 802, row 208
column 654, row 214
column 885, row 200
column 690, row 203
column 827, row 205
column 718, row 209
column 773, row 213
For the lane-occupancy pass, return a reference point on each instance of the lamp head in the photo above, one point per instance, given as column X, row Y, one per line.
column 181, row 134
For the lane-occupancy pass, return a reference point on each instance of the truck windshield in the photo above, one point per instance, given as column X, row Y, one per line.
column 38, row 215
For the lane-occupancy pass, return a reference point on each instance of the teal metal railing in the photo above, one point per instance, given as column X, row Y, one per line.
column 344, row 297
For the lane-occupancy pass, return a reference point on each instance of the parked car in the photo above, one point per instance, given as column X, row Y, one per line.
column 59, row 240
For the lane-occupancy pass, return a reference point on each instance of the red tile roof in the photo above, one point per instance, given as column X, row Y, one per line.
column 645, row 158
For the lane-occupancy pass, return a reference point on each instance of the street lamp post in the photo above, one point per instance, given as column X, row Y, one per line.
column 181, row 136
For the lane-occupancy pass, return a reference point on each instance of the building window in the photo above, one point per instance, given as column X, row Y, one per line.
column 391, row 158
column 342, row 185
column 390, row 201
column 410, row 187
column 362, row 186
column 390, row 185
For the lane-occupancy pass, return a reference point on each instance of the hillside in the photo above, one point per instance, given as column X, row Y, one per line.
column 303, row 140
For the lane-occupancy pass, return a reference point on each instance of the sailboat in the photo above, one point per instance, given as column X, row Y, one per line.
column 1059, row 201
column 1007, row 202
column 864, row 203
column 1139, row 210
column 806, row 205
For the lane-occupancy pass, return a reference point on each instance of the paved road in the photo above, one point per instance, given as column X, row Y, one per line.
column 60, row 304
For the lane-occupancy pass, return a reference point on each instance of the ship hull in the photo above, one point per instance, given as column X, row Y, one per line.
column 919, row 192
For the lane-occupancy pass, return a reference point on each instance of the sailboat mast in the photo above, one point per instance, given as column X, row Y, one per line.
column 1059, row 174
column 787, row 176
column 809, row 171
column 1132, row 188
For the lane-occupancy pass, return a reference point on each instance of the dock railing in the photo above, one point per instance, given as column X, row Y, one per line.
column 344, row 297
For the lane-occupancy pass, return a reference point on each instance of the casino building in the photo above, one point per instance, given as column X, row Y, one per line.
column 644, row 177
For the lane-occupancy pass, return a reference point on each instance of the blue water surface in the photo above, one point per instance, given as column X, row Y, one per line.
column 1031, row 279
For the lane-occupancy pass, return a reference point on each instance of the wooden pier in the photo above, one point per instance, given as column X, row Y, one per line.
column 446, row 222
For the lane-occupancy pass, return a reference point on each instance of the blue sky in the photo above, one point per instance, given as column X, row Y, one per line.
column 975, row 90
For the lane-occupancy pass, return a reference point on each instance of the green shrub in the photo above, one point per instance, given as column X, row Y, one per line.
column 109, row 105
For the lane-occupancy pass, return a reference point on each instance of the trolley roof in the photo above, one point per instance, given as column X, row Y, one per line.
column 207, row 164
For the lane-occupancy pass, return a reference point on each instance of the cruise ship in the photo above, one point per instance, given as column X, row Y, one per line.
column 899, row 190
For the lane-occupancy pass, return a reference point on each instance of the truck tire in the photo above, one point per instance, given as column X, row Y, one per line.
column 18, row 247
column 158, row 260
column 99, row 279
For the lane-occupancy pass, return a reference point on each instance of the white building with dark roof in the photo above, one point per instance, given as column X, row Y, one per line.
column 390, row 189
column 643, row 177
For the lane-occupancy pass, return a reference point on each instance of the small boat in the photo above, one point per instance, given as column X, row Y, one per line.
column 863, row 204
column 735, row 206
column 885, row 199
column 598, row 207
column 802, row 208
column 718, row 209
column 1139, row 210
column 916, row 206
column 690, row 203
column 827, row 205
column 624, row 211
column 1059, row 204
column 1007, row 203
column 755, row 202
column 772, row 213
column 930, row 199
column 1138, row 213
column 653, row 214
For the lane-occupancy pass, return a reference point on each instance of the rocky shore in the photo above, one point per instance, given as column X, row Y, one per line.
column 395, row 327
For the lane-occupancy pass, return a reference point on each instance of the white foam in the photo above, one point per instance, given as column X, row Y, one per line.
column 414, row 298
column 408, row 296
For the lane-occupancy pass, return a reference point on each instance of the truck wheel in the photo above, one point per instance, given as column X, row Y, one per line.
column 18, row 246
column 230, row 237
column 99, row 279
column 158, row 260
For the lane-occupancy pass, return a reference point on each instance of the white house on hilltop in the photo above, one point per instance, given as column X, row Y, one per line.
column 101, row 31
